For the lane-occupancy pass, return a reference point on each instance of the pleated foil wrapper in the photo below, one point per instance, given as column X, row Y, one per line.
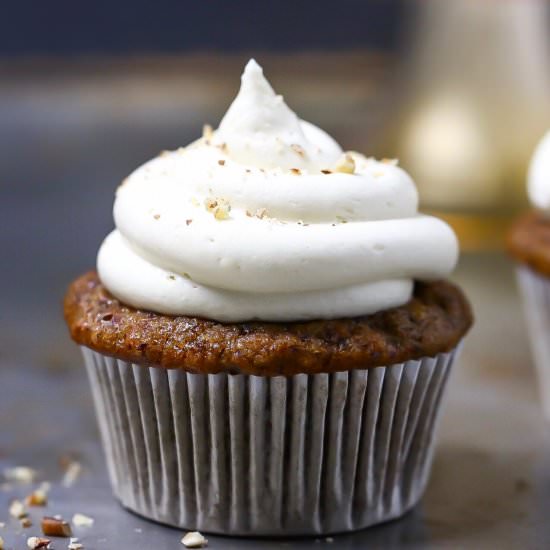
column 249, row 455
column 535, row 291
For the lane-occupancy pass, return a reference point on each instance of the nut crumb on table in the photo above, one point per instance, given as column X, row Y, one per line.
column 194, row 539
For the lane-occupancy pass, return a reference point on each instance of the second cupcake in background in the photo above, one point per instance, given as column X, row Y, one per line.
column 268, row 338
column 529, row 245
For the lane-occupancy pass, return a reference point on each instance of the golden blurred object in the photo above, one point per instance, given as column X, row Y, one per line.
column 477, row 102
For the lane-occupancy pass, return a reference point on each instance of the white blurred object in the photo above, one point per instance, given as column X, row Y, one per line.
column 478, row 101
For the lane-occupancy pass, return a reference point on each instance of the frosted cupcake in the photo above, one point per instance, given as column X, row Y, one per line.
column 268, row 336
column 529, row 245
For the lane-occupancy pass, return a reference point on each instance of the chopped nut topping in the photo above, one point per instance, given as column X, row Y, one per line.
column 222, row 212
column 17, row 509
column 194, row 540
column 80, row 520
column 326, row 171
column 53, row 527
column 219, row 207
column 221, row 162
column 157, row 216
column 25, row 522
column 37, row 498
column 210, row 204
column 295, row 171
column 298, row 149
column 261, row 213
column 188, row 222
column 21, row 474
column 345, row 164
column 207, row 132
column 393, row 162
column 37, row 542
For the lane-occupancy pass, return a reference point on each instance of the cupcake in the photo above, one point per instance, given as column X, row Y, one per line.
column 529, row 244
column 268, row 335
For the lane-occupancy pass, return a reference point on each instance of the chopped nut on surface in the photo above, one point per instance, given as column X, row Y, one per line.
column 17, row 510
column 75, row 546
column 221, row 162
column 53, row 527
column 188, row 222
column 326, row 171
column 45, row 486
column 345, row 164
column 80, row 520
column 37, row 542
column 194, row 540
column 37, row 498
column 295, row 171
column 25, row 522
column 157, row 216
column 22, row 474
column 71, row 473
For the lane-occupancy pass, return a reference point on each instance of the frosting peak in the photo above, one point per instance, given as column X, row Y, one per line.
column 260, row 130
column 262, row 219
column 538, row 186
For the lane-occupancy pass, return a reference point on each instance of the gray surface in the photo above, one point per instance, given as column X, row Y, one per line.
column 64, row 145
column 490, row 486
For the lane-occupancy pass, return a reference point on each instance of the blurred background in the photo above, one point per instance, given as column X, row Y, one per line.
column 459, row 91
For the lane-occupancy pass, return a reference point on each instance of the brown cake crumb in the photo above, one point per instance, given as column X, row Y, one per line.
column 433, row 321
column 529, row 242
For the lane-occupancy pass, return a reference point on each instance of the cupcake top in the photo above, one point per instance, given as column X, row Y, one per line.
column 538, row 179
column 266, row 218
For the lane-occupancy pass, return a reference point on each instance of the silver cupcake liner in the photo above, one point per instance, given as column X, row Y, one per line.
column 249, row 455
column 535, row 291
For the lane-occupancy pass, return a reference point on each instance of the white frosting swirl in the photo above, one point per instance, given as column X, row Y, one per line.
column 538, row 179
column 246, row 223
